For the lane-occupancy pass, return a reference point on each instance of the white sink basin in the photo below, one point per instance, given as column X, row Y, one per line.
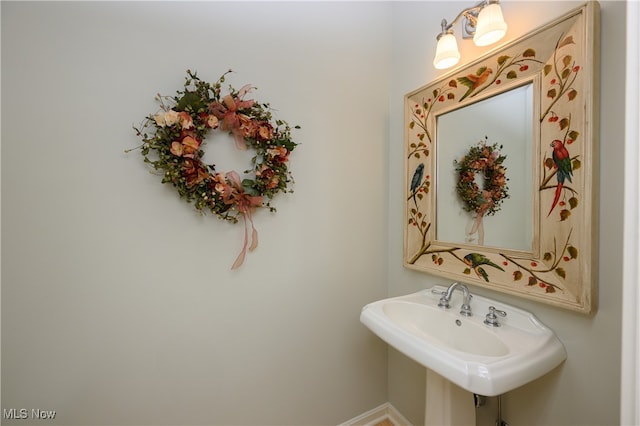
column 481, row 359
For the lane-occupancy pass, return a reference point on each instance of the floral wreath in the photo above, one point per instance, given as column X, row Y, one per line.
column 485, row 160
column 175, row 141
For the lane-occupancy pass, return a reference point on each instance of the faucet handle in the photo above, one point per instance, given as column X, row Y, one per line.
column 444, row 301
column 492, row 317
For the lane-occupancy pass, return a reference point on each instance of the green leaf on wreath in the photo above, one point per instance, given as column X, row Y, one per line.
column 529, row 53
column 512, row 74
column 466, row 271
column 532, row 281
column 572, row 94
column 561, row 272
column 573, row 135
column 547, row 256
column 564, row 214
column 287, row 143
column 573, row 252
column 567, row 60
column 551, row 93
column 247, row 185
column 547, row 69
column 564, row 123
column 190, row 101
column 517, row 275
column 412, row 124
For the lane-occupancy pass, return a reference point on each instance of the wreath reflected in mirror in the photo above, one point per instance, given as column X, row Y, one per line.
column 482, row 184
column 173, row 142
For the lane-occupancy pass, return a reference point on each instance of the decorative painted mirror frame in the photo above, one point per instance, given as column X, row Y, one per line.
column 560, row 59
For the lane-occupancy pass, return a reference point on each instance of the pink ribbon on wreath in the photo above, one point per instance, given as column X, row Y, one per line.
column 478, row 225
column 244, row 204
column 227, row 113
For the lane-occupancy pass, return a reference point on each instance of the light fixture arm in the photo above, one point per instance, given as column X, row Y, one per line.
column 470, row 16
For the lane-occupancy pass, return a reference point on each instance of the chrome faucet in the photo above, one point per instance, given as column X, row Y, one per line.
column 465, row 309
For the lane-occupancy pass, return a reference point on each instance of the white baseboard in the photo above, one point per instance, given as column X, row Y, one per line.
column 378, row 414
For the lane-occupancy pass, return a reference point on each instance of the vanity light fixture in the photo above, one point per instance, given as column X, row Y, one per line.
column 482, row 22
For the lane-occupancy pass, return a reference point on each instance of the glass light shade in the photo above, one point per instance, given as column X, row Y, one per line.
column 491, row 26
column 447, row 54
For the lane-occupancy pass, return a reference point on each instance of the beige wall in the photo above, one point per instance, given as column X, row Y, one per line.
column 118, row 303
column 585, row 389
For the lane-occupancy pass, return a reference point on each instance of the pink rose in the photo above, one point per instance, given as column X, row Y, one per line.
column 212, row 121
column 185, row 148
column 265, row 131
column 279, row 154
column 186, row 122
column 176, row 148
column 190, row 146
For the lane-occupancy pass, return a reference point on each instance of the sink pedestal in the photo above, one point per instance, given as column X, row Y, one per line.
column 447, row 404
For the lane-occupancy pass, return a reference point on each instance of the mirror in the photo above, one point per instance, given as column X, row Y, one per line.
column 505, row 119
column 500, row 168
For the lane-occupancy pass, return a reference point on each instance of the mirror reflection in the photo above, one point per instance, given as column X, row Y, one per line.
column 504, row 124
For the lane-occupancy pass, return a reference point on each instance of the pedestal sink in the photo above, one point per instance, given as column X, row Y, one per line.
column 479, row 358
